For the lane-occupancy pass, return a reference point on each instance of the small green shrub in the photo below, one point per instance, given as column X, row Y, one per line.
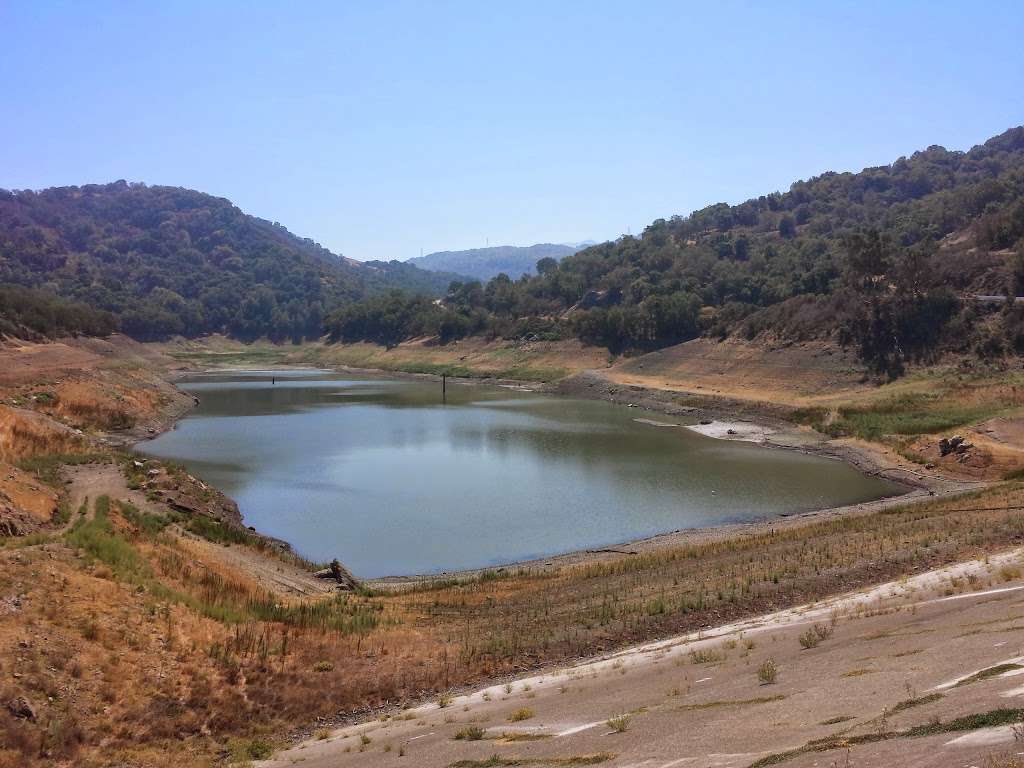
column 97, row 539
column 219, row 533
column 258, row 750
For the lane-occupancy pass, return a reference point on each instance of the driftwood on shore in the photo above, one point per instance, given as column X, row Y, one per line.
column 341, row 574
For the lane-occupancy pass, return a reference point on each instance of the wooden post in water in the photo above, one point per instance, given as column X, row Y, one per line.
column 444, row 388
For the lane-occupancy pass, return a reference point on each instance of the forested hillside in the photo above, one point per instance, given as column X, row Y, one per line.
column 166, row 260
column 485, row 263
column 30, row 314
column 888, row 260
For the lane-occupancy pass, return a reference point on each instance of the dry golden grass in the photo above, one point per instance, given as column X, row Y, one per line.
column 24, row 434
column 151, row 644
column 538, row 361
column 134, row 645
column 587, row 608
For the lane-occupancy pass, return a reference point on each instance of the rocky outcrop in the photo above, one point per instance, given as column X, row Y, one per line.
column 339, row 573
column 21, row 708
column 16, row 522
column 186, row 494
column 955, row 444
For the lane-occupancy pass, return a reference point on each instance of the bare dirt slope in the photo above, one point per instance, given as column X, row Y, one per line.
column 103, row 387
column 792, row 374
column 87, row 482
column 919, row 653
column 272, row 574
column 26, row 362
column 26, row 505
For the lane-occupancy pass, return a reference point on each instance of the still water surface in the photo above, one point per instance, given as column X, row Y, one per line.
column 382, row 475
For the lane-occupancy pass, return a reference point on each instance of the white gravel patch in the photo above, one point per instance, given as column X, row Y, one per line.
column 734, row 430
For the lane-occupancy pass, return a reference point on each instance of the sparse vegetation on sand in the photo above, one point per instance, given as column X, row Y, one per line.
column 498, row 761
column 732, row 702
column 619, row 723
column 916, row 702
column 813, row 636
column 984, row 674
column 768, row 672
column 972, row 722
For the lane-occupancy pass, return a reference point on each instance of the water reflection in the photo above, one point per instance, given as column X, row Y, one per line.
column 383, row 475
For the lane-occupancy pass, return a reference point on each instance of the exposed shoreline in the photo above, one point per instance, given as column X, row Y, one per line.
column 754, row 423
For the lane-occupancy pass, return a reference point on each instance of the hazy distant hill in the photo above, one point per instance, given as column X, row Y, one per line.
column 485, row 263
column 168, row 260
column 409, row 277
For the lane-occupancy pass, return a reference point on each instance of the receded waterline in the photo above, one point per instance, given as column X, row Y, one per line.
column 389, row 478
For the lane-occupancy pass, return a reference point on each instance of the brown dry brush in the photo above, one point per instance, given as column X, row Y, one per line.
column 589, row 607
column 240, row 662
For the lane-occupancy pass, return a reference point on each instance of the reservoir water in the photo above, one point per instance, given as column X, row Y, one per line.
column 384, row 476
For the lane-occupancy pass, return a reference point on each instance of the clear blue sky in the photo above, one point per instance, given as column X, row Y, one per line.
column 378, row 128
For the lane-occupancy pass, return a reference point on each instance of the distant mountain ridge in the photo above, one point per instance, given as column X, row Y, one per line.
column 485, row 263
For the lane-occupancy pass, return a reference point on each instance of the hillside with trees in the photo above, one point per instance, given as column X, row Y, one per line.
column 167, row 260
column 486, row 263
column 32, row 314
column 888, row 261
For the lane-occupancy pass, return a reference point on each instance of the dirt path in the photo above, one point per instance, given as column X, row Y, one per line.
column 89, row 481
column 935, row 647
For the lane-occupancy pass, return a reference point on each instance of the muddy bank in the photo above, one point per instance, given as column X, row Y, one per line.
column 765, row 423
